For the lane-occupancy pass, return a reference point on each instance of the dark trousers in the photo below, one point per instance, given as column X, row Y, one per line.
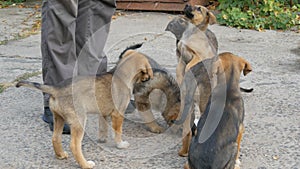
column 74, row 33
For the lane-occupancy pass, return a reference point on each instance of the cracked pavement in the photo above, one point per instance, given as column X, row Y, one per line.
column 272, row 120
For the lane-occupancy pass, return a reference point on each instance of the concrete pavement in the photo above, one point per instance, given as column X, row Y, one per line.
column 272, row 135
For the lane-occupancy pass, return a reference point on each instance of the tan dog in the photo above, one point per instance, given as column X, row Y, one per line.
column 194, row 44
column 165, row 82
column 237, row 64
column 74, row 98
column 219, row 136
column 200, row 16
column 161, row 80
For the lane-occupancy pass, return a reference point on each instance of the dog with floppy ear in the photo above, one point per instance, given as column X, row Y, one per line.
column 162, row 80
column 194, row 43
column 165, row 82
column 219, row 130
column 200, row 16
column 71, row 100
column 188, row 31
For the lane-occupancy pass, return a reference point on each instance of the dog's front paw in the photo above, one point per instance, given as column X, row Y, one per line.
column 90, row 164
column 102, row 140
column 157, row 129
column 123, row 145
column 237, row 164
column 186, row 166
column 61, row 156
column 183, row 153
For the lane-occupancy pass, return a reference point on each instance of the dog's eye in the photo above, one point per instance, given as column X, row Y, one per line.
column 199, row 9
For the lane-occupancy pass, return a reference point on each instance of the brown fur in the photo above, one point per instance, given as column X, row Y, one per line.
column 193, row 47
column 200, row 16
column 232, row 66
column 163, row 81
column 197, row 43
column 74, row 98
column 227, row 60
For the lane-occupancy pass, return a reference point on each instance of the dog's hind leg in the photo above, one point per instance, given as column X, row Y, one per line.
column 56, row 138
column 103, row 129
column 239, row 139
column 186, row 166
column 143, row 105
column 117, row 122
column 77, row 133
column 187, row 137
column 150, row 121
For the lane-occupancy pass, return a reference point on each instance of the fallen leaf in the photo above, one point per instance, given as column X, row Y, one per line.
column 114, row 17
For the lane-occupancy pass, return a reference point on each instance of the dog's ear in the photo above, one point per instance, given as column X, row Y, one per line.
column 211, row 18
column 146, row 73
column 245, row 66
column 149, row 70
column 127, row 53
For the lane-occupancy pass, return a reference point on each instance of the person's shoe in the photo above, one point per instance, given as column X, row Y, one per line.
column 131, row 107
column 48, row 118
column 66, row 130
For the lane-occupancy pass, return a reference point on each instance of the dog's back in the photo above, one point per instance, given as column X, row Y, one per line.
column 78, row 91
column 219, row 150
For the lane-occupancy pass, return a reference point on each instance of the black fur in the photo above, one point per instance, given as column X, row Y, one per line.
column 133, row 47
column 219, row 149
column 199, row 74
column 188, row 11
column 246, row 90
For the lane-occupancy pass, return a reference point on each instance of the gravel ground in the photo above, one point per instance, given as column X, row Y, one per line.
column 272, row 120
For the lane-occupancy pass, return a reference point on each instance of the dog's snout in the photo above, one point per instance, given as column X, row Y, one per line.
column 199, row 9
column 188, row 11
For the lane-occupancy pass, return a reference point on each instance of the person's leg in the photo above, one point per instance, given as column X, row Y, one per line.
column 92, row 28
column 57, row 46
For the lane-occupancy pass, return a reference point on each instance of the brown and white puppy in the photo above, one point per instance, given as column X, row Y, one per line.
column 165, row 83
column 192, row 45
column 200, row 16
column 219, row 130
column 71, row 100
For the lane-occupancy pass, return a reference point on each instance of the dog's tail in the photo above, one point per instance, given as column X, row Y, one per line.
column 190, row 86
column 44, row 88
column 133, row 47
column 246, row 90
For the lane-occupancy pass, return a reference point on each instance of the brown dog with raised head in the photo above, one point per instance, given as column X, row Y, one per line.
column 194, row 44
column 219, row 130
column 71, row 100
column 194, row 41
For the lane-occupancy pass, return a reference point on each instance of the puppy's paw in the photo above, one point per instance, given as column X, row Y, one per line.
column 186, row 166
column 102, row 140
column 123, row 145
column 62, row 156
column 90, row 164
column 157, row 129
column 237, row 164
column 183, row 153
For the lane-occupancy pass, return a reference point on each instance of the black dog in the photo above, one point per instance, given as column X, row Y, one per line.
column 219, row 130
